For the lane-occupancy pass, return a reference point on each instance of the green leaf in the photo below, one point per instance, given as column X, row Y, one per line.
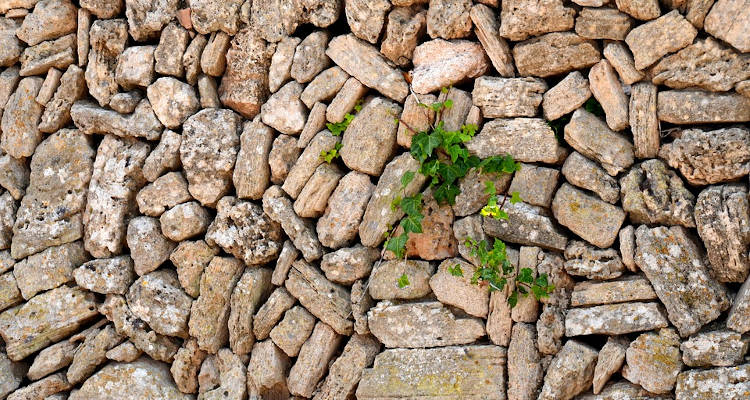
column 456, row 270
column 397, row 245
column 525, row 276
column 403, row 281
column 515, row 198
column 448, row 103
column 489, row 188
column 412, row 205
column 406, row 178
column 412, row 224
column 444, row 90
column 513, row 299
column 358, row 106
column 446, row 193
column 395, row 203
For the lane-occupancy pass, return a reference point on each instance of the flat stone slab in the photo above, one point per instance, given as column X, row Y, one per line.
column 614, row 319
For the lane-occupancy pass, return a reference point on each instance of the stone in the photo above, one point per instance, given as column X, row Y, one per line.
column 625, row 289
column 57, row 110
column 569, row 94
column 622, row 61
column 306, row 164
column 383, row 283
column 266, row 373
column 191, row 60
column 20, row 119
column 592, row 219
column 279, row 209
column 41, row 389
column 9, row 79
column 50, row 19
column 106, row 275
column 478, row 371
column 281, row 158
column 108, row 39
column 627, row 247
column 50, row 359
column 705, row 64
column 327, row 301
column 164, row 157
column 340, row 222
column 253, row 287
column 157, row 299
column 9, row 293
column 348, row 97
column 720, row 383
column 455, row 117
column 370, row 140
column 8, row 208
column 208, row 91
column 92, row 353
column 49, row 268
column 146, row 19
column 149, row 248
column 473, row 196
column 487, row 28
column 554, row 54
column 58, row 53
column 610, row 360
column 521, row 19
column 419, row 325
column 720, row 348
column 14, row 176
column 708, row 157
column 251, row 174
column 135, row 67
column 721, row 215
column 12, row 46
column 284, row 111
column 232, row 377
column 141, row 379
column 190, row 259
column 440, row 64
column 280, row 69
column 508, row 97
column 592, row 263
column 644, row 122
column 365, row 63
column 165, row 192
column 347, row 370
column 347, row 265
column 91, row 119
column 292, row 332
column 50, row 84
column 210, row 141
column 570, row 373
column 500, row 319
column 673, row 264
column 591, row 137
column 654, row 194
column 436, row 241
column 603, row 23
column 208, row 377
column 324, row 86
column 38, row 224
column 614, row 319
column 316, row 122
column 210, row 312
column 536, row 185
column 405, row 27
column 584, row 173
column 525, row 374
column 83, row 34
column 173, row 42
column 415, row 118
column 366, row 18
column 653, row 361
column 244, row 86
column 449, row 19
column 525, row 139
column 186, row 364
column 362, row 302
column 654, row 39
column 526, row 225
column 459, row 291
column 271, row 312
column 288, row 255
column 173, row 101
column 607, row 89
column 643, row 10
column 725, row 21
column 209, row 16
column 313, row 359
column 45, row 319
column 276, row 20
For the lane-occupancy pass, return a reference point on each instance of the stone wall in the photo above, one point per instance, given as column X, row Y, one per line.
column 196, row 195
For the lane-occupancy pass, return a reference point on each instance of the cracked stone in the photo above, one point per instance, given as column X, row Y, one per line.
column 654, row 194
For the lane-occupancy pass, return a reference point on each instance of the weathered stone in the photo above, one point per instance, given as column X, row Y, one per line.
column 164, row 157
column 592, row 219
column 726, row 20
column 643, row 10
column 279, row 209
column 610, row 360
column 190, row 259
column 50, row 359
column 346, row 371
column 327, row 301
column 339, row 224
column 253, row 287
column 555, row 53
column 673, row 263
column 630, row 288
column 603, row 23
column 157, row 299
column 45, row 319
column 49, row 268
column 366, row 18
column 281, row 62
column 147, row 18
column 92, row 353
column 582, row 172
column 306, row 164
column 653, row 361
column 591, row 137
column 527, row 225
column 707, row 157
column 244, row 86
column 275, row 19
column 208, row 377
column 363, row 61
column 436, row 241
column 344, row 102
column 722, row 214
column 569, row 94
column 149, row 248
column 49, row 20
column 58, row 53
column 440, row 63
column 232, row 378
column 135, row 67
column 378, row 215
column 508, row 97
column 654, row 39
column 614, row 319
column 521, row 19
column 142, row 379
column 405, row 27
column 487, row 28
column 111, row 275
column 627, row 247
column 12, row 47
column 316, row 122
column 473, row 196
column 41, row 389
column 415, row 118
column 288, row 255
column 455, row 117
column 383, row 284
column 173, row 101
column 292, row 332
column 607, row 89
column 592, row 263
column 266, row 373
column 57, row 110
column 108, row 40
column 251, row 174
column 459, row 291
column 186, row 364
column 270, row 313
column 14, row 177
column 644, row 123
column 571, row 372
column 173, row 42
column 210, row 312
column 83, row 33
column 284, row 111
column 21, row 118
column 478, row 372
column 208, row 91
column 622, row 61
column 8, row 208
column 209, row 16
column 419, row 325
column 191, row 60
column 91, row 119
column 535, row 185
column 281, row 158
column 525, row 372
column 39, row 223
column 50, row 84
column 347, row 265
column 718, row 383
column 525, row 139
column 167, row 191
column 313, row 360
column 720, row 348
column 362, row 302
column 449, row 19
column 324, row 86
column 9, row 293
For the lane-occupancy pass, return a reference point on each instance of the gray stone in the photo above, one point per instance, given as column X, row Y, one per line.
column 591, row 137
column 592, row 219
column 456, row 116
column 535, row 185
column 92, row 353
column 288, row 255
column 232, row 378
column 521, row 19
column 164, row 157
column 695, row 106
column 348, row 97
column 383, row 283
column 266, row 373
column 571, row 372
column 345, row 373
column 252, row 173
column 190, row 259
column 284, row 153
column 186, row 364
column 609, row 361
column 91, row 119
column 603, row 23
column 584, row 173
column 208, row 91
column 49, row 20
column 8, row 208
column 347, row 265
column 57, row 110
column 644, row 122
column 316, row 121
column 327, row 301
column 720, row 348
column 487, row 29
column 173, row 101
column 41, row 389
column 9, row 293
column 142, row 379
column 58, row 53
column 459, row 291
column 607, row 89
column 554, row 54
column 21, row 118
column 673, row 263
column 209, row 16
column 12, row 47
column 654, row 39
column 370, row 140
column 362, row 302
column 725, row 21
column 14, row 176
column 108, row 40
column 292, row 332
column 440, row 63
column 281, row 62
column 550, row 329
column 449, row 19
column 50, row 84
column 173, row 42
column 284, row 111
column 50, row 359
column 157, row 299
column 525, row 139
column 191, row 60
column 278, row 207
column 592, row 263
column 405, row 27
column 614, row 319
column 313, row 359
column 654, row 194
column 340, row 222
column 653, row 361
column 253, row 287
column 508, row 97
column 643, row 10
column 473, row 196
column 627, row 247
column 149, row 248
column 525, row 374
column 49, row 268
column 324, row 86
column 147, row 18
column 622, row 61
column 135, row 67
column 271, row 312
column 106, row 275
column 306, row 164
column 718, row 383
column 366, row 18
column 165, row 192
column 625, row 289
column 569, row 94
column 244, row 86
column 527, row 225
column 419, row 325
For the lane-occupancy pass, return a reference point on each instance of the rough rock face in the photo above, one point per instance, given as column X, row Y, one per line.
column 440, row 63
column 521, row 19
column 653, row 361
column 140, row 379
column 554, row 53
column 576, row 360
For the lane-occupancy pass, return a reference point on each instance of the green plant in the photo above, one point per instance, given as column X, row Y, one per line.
column 332, row 154
column 337, row 128
column 403, row 281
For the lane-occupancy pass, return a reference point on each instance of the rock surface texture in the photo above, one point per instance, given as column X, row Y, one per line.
column 348, row 199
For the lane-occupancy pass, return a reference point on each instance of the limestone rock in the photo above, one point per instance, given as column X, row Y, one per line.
column 586, row 260
column 173, row 42
column 12, row 46
column 327, row 301
column 702, row 107
column 521, row 19
column 244, row 85
column 607, row 90
column 324, row 86
column 124, row 352
column 640, row 9
column 370, row 140
column 48, row 386
column 306, row 164
column 149, row 248
column 9, row 293
column 449, row 19
column 594, row 220
column 603, row 23
column 405, row 27
column 722, row 214
column 525, row 139
column 366, row 18
column 284, row 153
column 49, row 20
column 14, row 176
column 190, row 259
column 135, row 67
column 610, row 360
column 584, row 173
column 571, row 372
column 271, row 312
column 535, row 185
column 653, row 361
column 108, row 39
column 555, row 53
column 173, row 101
column 281, row 62
column 92, row 353
column 644, row 122
column 49, row 268
column 11, row 376
column 440, row 63
column 313, row 359
column 719, row 383
column 340, row 222
column 292, row 332
column 157, row 299
column 90, row 119
column 20, row 119
column 266, row 373
column 720, row 348
column 51, row 359
column 288, row 255
column 347, row 265
column 419, row 325
column 628, row 288
column 473, row 196
column 525, row 374
column 279, row 209
column 569, row 94
column 232, row 377
column 58, row 53
column 725, row 21
column 673, row 263
column 208, row 16
column 654, row 39
column 348, row 97
column 164, row 157
column 284, row 111
column 654, row 194
column 526, row 225
column 185, row 367
column 508, row 97
column 417, row 117
column 106, row 275
column 459, row 291
column 362, row 302
column 213, row 59
column 591, row 137
column 147, row 18
column 253, row 287
column 57, row 110
column 165, row 192
column 142, row 379
column 622, row 61
column 614, row 319
column 383, row 284
column 346, row 371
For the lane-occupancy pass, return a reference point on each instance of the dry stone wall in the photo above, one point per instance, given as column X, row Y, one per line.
column 196, row 194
